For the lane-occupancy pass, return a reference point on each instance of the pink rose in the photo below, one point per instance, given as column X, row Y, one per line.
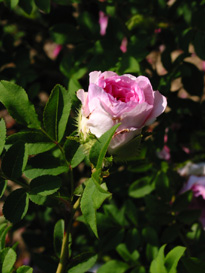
column 113, row 99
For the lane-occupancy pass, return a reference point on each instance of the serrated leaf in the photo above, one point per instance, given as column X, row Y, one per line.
column 45, row 185
column 38, row 199
column 56, row 112
column 92, row 199
column 36, row 141
column 82, row 263
column 58, row 236
column 16, row 101
column 157, row 264
column 73, row 152
column 24, row 269
column 173, row 257
column 3, row 185
column 2, row 135
column 114, row 266
column 16, row 205
column 7, row 259
column 44, row 164
column 99, row 149
column 15, row 160
column 43, row 5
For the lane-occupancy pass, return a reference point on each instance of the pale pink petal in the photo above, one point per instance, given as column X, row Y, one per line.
column 198, row 190
column 160, row 103
column 103, row 21
column 94, row 76
column 122, row 137
column 137, row 116
column 83, row 97
column 95, row 95
column 123, row 46
column 146, row 86
column 99, row 122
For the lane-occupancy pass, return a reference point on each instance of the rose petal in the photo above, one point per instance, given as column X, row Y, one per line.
column 160, row 103
column 137, row 116
column 99, row 122
column 94, row 76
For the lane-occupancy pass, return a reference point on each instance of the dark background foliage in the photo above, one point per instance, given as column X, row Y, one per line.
column 44, row 43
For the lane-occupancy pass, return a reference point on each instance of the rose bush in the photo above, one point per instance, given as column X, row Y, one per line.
column 113, row 99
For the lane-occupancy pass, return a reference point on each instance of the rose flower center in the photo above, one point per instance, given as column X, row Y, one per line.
column 120, row 89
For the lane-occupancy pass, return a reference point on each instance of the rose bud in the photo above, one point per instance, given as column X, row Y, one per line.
column 113, row 99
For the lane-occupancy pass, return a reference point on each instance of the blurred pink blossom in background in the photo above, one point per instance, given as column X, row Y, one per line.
column 123, row 46
column 165, row 152
column 195, row 183
column 57, row 50
column 103, row 21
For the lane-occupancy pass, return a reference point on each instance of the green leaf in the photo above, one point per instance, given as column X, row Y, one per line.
column 38, row 199
column 11, row 3
column 15, row 160
column 36, row 141
column 3, row 232
column 93, row 197
column 7, row 259
column 99, row 149
column 157, row 264
column 44, row 164
column 162, row 186
column 82, row 263
column 45, row 185
column 3, row 185
column 123, row 251
column 140, row 188
column 16, row 101
column 16, row 205
column 199, row 44
column 27, row 5
column 56, row 112
column 2, row 134
column 73, row 152
column 24, row 269
column 173, row 257
column 58, row 236
column 114, row 266
column 43, row 5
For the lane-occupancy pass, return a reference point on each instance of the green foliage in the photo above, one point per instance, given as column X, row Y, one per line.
column 131, row 201
column 16, row 205
column 56, row 113
column 2, row 134
column 16, row 101
column 99, row 149
column 93, row 197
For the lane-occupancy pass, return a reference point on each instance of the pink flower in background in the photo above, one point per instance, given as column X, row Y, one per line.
column 103, row 21
column 123, row 46
column 164, row 153
column 57, row 50
column 196, row 184
column 113, row 99
column 192, row 169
